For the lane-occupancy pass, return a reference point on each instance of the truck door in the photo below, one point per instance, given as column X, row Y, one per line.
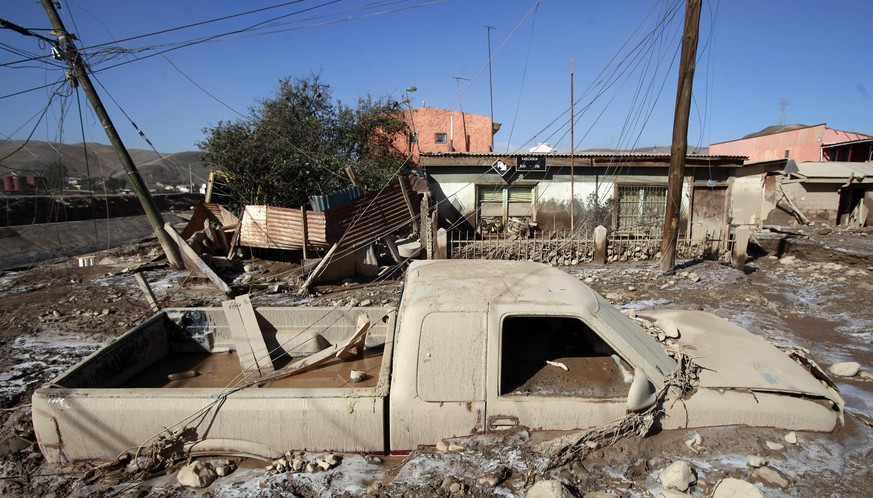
column 442, row 390
column 552, row 372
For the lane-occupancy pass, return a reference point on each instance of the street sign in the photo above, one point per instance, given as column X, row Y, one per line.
column 500, row 167
column 531, row 163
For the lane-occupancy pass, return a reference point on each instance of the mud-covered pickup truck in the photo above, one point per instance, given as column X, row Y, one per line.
column 474, row 346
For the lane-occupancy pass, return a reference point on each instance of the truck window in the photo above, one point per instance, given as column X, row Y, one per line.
column 451, row 357
column 593, row 369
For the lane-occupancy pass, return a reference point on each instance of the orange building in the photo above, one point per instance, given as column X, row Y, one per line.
column 442, row 130
column 798, row 142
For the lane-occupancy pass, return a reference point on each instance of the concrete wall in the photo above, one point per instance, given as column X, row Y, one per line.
column 817, row 201
column 455, row 194
column 747, row 200
column 803, row 144
column 465, row 132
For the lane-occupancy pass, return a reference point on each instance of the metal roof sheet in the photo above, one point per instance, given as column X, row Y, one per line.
column 833, row 171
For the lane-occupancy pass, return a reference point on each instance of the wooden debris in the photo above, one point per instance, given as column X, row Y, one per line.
column 147, row 290
column 194, row 263
column 254, row 357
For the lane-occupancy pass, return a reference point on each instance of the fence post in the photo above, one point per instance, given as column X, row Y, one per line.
column 600, row 245
column 741, row 245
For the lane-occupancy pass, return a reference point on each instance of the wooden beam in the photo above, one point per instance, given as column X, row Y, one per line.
column 317, row 271
column 193, row 262
column 147, row 290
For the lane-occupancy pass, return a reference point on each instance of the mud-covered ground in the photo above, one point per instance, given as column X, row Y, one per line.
column 812, row 290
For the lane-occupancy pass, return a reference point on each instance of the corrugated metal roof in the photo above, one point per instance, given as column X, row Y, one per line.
column 834, row 172
column 334, row 199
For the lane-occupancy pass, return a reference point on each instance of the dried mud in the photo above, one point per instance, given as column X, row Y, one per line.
column 816, row 296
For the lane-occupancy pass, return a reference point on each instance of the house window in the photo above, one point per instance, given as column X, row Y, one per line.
column 786, row 153
column 640, row 208
column 497, row 204
column 594, row 370
column 413, row 137
column 440, row 138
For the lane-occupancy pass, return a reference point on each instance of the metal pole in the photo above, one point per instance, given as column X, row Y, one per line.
column 71, row 54
column 679, row 149
column 572, row 155
column 490, row 83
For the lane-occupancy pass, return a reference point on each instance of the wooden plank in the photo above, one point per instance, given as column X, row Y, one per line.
column 193, row 262
column 254, row 335
column 239, row 336
column 147, row 290
column 317, row 271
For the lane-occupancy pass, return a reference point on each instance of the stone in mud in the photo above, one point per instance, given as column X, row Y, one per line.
column 677, row 475
column 756, row 461
column 770, row 477
column 736, row 488
column 548, row 488
column 845, row 369
column 196, row 475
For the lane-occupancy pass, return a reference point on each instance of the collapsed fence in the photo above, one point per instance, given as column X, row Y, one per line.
column 565, row 248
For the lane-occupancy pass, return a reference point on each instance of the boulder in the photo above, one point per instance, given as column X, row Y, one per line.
column 791, row 438
column 548, row 488
column 677, row 475
column 196, row 475
column 736, row 488
column 756, row 461
column 845, row 369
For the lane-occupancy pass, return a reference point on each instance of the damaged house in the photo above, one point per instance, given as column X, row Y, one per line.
column 625, row 192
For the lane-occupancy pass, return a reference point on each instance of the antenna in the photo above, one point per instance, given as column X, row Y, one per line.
column 461, row 107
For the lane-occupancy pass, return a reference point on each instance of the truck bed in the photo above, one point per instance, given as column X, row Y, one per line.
column 183, row 363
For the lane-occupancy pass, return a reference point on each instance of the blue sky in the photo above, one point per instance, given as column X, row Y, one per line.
column 751, row 55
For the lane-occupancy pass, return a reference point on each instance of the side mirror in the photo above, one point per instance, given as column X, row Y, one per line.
column 642, row 393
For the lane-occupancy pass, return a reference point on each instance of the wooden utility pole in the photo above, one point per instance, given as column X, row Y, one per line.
column 679, row 149
column 71, row 55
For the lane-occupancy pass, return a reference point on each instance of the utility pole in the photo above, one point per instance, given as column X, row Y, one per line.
column 72, row 56
column 679, row 149
column 490, row 82
column 572, row 156
column 461, row 107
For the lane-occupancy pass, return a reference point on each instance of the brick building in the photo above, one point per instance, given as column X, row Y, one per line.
column 794, row 141
column 443, row 130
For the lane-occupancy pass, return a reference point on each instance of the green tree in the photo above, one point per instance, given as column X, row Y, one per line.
column 299, row 142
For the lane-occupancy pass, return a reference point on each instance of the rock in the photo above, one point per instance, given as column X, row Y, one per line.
column 548, row 488
column 297, row 464
column 788, row 260
column 311, row 467
column 454, row 448
column 612, row 296
column 224, row 470
column 373, row 488
column 756, row 461
column 695, row 444
column 631, row 288
column 791, row 438
column 669, row 328
column 455, row 487
column 694, row 277
column 677, row 475
column 600, row 494
column 770, row 477
column 332, row 459
column 845, row 369
column 775, row 446
column 356, row 376
column 736, row 488
column 865, row 375
column 494, row 478
column 823, row 231
column 672, row 493
column 248, row 268
column 196, row 475
column 366, row 302
column 442, row 446
column 323, row 465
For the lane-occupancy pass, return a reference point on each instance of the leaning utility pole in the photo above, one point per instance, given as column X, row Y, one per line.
column 71, row 55
column 679, row 149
